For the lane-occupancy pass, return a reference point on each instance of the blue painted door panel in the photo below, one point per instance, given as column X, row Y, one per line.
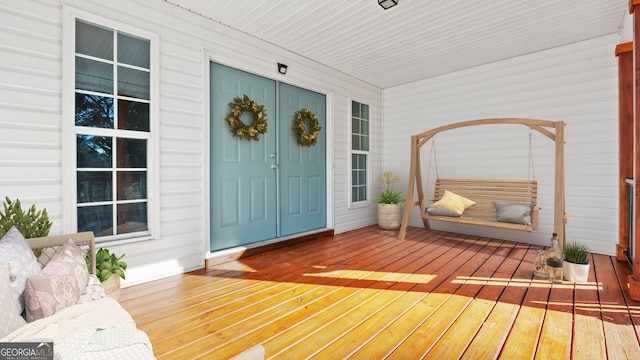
column 302, row 169
column 243, row 197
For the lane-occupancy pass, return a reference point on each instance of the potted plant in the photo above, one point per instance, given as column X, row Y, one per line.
column 31, row 223
column 389, row 202
column 109, row 269
column 576, row 262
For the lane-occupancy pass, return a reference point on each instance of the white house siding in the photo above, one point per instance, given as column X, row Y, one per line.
column 575, row 83
column 32, row 165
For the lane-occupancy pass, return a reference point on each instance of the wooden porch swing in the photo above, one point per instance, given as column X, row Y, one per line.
column 484, row 192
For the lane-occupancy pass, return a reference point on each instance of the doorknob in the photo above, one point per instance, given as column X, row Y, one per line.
column 274, row 166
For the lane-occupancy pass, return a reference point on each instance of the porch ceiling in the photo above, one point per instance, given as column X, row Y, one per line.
column 416, row 39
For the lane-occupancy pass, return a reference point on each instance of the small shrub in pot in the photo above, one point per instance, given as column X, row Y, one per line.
column 576, row 262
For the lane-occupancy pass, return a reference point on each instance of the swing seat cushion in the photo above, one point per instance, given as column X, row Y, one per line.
column 516, row 213
column 453, row 202
column 440, row 211
column 506, row 204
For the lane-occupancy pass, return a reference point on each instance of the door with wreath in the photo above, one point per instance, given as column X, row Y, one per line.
column 266, row 180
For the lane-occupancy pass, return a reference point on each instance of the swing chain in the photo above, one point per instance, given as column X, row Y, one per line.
column 435, row 157
column 531, row 171
column 432, row 155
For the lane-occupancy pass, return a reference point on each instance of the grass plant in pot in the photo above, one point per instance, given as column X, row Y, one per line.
column 389, row 202
column 109, row 269
column 576, row 262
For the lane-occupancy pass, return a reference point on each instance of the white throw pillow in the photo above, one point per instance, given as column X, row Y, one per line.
column 10, row 318
column 15, row 251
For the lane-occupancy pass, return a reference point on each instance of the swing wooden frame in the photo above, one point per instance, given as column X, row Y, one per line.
column 554, row 130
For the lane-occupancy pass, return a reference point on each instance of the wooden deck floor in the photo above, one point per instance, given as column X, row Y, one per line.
column 366, row 295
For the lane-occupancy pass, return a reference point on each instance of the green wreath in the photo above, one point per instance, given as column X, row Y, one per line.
column 303, row 120
column 240, row 129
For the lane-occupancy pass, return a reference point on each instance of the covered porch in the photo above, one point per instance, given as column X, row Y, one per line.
column 364, row 294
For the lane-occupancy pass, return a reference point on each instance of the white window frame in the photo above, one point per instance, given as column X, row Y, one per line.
column 366, row 202
column 69, row 164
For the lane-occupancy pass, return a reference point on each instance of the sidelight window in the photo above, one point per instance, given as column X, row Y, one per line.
column 359, row 151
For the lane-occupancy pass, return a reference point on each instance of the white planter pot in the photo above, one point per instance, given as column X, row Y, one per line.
column 389, row 216
column 577, row 273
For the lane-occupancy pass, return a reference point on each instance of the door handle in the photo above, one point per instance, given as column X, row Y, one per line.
column 274, row 166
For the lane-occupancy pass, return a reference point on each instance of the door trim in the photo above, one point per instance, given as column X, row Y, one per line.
column 223, row 59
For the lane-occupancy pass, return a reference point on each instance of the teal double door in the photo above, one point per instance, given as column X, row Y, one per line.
column 269, row 188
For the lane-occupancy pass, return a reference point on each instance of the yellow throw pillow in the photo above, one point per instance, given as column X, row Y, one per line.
column 453, row 202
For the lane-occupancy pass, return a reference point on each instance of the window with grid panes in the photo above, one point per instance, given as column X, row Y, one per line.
column 112, row 127
column 359, row 151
